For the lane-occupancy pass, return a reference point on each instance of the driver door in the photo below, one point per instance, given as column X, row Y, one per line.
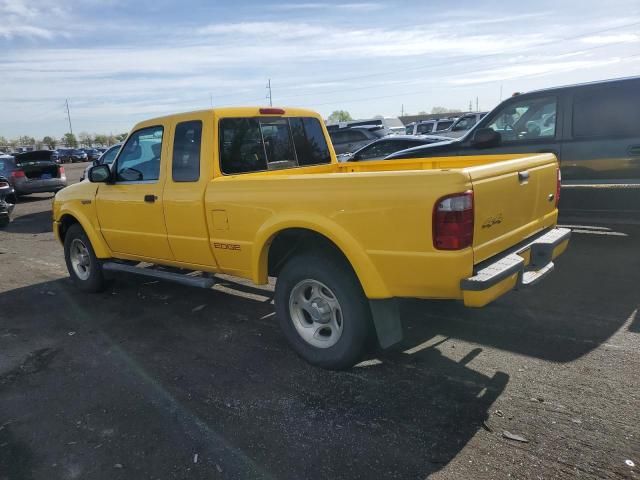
column 130, row 209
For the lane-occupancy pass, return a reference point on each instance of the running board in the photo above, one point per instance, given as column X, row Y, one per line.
column 201, row 282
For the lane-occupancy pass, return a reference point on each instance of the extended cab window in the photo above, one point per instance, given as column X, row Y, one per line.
column 308, row 138
column 185, row 165
column 139, row 159
column 258, row 144
column 526, row 120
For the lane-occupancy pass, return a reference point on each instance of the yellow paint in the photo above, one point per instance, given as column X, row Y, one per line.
column 379, row 214
column 484, row 297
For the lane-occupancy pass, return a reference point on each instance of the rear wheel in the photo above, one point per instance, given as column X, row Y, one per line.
column 83, row 266
column 323, row 311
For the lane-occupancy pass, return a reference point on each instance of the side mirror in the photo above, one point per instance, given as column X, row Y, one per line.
column 100, row 174
column 485, row 138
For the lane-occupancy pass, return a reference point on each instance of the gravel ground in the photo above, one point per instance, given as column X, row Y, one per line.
column 159, row 381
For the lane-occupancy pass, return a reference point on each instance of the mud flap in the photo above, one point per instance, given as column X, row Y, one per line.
column 386, row 319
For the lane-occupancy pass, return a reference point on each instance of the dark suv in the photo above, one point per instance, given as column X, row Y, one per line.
column 593, row 129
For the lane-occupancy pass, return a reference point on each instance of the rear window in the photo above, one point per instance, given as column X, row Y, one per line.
column 610, row 112
column 271, row 143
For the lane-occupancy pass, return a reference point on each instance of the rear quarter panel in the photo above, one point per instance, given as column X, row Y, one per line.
column 380, row 221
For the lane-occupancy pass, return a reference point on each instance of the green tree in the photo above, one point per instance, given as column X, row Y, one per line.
column 50, row 142
column 26, row 140
column 100, row 139
column 122, row 137
column 85, row 139
column 69, row 140
column 339, row 116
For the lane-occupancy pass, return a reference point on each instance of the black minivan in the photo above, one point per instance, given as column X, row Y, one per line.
column 593, row 129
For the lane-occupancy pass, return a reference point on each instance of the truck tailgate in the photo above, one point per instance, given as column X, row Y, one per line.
column 513, row 200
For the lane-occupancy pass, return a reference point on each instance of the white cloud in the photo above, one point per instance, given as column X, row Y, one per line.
column 613, row 38
column 362, row 6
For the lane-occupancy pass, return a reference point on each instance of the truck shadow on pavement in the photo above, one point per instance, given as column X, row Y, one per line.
column 39, row 222
column 157, row 371
column 148, row 374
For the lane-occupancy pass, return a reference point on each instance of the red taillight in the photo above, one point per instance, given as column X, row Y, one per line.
column 272, row 111
column 61, row 172
column 453, row 222
column 4, row 184
column 18, row 174
column 558, row 187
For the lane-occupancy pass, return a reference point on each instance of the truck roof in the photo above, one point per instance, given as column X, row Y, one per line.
column 255, row 111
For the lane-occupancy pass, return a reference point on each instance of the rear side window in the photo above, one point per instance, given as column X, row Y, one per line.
column 425, row 127
column 185, row 166
column 310, row 144
column 610, row 112
column 271, row 143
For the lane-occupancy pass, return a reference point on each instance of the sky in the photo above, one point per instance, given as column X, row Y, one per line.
column 119, row 62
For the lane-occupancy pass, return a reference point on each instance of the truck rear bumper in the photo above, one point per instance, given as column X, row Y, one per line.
column 526, row 265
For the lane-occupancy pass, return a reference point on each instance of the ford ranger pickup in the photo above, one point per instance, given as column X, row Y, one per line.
column 257, row 193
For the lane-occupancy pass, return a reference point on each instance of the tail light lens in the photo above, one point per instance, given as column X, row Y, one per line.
column 558, row 187
column 18, row 174
column 4, row 184
column 61, row 173
column 453, row 222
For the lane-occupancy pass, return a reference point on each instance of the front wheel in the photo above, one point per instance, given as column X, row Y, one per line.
column 83, row 265
column 323, row 311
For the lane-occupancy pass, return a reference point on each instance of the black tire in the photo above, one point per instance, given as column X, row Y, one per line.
column 4, row 220
column 95, row 279
column 332, row 271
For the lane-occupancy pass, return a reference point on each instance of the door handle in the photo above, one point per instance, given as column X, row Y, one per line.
column 150, row 198
column 523, row 177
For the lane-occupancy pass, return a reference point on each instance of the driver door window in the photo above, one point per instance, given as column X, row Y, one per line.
column 139, row 159
column 527, row 120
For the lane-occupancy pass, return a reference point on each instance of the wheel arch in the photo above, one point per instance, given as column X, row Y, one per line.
column 67, row 219
column 308, row 234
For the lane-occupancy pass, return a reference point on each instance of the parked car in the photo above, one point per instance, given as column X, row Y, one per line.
column 350, row 139
column 7, row 201
column 33, row 172
column 92, row 153
column 267, row 198
column 462, row 125
column 379, row 149
column 106, row 158
column 426, row 127
column 71, row 155
column 593, row 129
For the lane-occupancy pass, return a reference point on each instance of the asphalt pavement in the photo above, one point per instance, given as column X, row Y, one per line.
column 151, row 380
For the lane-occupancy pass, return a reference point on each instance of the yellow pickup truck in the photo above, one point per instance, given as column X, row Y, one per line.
column 258, row 193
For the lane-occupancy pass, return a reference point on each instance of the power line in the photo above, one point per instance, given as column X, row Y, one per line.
column 368, row 99
column 466, row 58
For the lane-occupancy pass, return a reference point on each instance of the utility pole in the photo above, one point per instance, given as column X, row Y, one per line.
column 500, row 92
column 470, row 105
column 477, row 107
column 269, row 94
column 402, row 110
column 69, row 116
